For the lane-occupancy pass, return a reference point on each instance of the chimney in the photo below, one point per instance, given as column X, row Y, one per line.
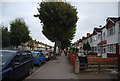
column 88, row 34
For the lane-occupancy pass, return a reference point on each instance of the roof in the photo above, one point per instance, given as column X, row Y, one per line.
column 83, row 37
column 97, row 29
column 111, row 22
column 114, row 19
column 102, row 42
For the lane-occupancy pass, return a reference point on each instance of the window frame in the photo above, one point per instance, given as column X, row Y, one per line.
column 111, row 48
column 111, row 31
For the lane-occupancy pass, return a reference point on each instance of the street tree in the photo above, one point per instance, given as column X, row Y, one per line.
column 86, row 47
column 5, row 37
column 68, row 37
column 19, row 32
column 65, row 44
column 31, row 43
column 58, row 19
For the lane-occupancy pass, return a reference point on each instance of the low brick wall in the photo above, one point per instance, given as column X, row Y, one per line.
column 98, row 59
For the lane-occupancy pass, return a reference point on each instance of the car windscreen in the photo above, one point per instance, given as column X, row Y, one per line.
column 6, row 56
column 35, row 54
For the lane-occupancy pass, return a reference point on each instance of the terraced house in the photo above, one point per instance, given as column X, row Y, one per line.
column 113, row 30
column 104, row 41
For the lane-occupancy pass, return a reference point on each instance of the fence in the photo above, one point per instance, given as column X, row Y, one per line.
column 98, row 67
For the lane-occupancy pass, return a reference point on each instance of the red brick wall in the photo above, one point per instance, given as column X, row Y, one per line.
column 93, row 54
column 112, row 55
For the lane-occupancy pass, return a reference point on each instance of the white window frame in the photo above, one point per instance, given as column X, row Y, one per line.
column 95, row 37
column 99, row 37
column 111, row 31
column 103, row 36
column 111, row 48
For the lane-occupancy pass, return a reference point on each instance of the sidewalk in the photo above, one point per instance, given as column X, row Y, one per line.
column 55, row 69
column 62, row 69
column 94, row 75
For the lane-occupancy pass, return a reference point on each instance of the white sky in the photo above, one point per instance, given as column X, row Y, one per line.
column 91, row 14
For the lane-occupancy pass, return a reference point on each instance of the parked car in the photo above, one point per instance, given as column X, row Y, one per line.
column 38, row 58
column 15, row 64
column 47, row 56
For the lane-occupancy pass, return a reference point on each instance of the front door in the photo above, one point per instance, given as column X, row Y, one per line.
column 104, row 54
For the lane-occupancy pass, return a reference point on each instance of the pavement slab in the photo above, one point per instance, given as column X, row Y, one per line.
column 55, row 69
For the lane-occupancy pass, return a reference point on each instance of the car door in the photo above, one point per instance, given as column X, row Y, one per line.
column 41, row 57
column 7, row 71
column 22, row 64
column 27, row 61
column 17, row 70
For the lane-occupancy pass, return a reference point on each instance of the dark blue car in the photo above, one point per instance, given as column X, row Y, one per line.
column 15, row 64
column 38, row 58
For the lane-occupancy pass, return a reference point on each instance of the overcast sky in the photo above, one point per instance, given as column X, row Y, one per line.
column 91, row 14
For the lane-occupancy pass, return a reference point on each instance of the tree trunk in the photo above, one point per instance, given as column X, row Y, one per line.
column 54, row 55
column 57, row 48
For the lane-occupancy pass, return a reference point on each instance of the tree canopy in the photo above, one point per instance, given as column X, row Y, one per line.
column 19, row 32
column 58, row 20
column 5, row 37
column 86, row 47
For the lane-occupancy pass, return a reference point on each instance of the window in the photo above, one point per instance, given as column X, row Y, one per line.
column 29, row 55
column 17, row 58
column 111, row 31
column 94, row 38
column 111, row 48
column 104, row 36
column 94, row 49
column 25, row 56
column 99, row 36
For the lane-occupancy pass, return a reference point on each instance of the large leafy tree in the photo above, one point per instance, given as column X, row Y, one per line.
column 58, row 20
column 19, row 32
column 5, row 37
column 31, row 44
column 86, row 47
